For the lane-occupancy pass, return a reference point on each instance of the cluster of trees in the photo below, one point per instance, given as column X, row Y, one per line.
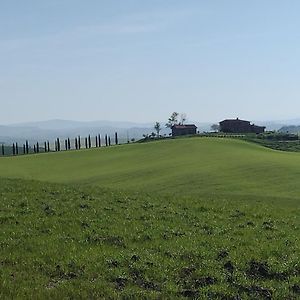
column 174, row 119
column 215, row 127
column 278, row 136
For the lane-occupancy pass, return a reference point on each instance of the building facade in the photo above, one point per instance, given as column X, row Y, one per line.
column 178, row 130
column 240, row 126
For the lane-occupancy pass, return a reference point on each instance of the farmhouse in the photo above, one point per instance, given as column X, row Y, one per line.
column 178, row 130
column 240, row 126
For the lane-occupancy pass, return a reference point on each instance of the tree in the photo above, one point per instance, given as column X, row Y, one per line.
column 215, row 127
column 182, row 118
column 79, row 142
column 58, row 144
column 157, row 128
column 99, row 140
column 116, row 138
column 27, row 147
column 90, row 142
column 173, row 120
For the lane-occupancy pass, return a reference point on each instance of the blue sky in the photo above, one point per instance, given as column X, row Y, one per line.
column 139, row 60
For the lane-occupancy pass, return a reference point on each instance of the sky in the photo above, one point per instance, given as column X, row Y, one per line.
column 134, row 60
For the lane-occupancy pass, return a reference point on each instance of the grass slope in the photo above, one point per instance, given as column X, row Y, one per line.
column 175, row 166
column 190, row 218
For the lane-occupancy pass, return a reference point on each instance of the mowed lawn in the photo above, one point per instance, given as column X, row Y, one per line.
column 195, row 218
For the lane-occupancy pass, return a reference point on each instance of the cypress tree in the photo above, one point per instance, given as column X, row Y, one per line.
column 86, row 143
column 90, row 143
column 116, row 138
column 3, row 150
column 69, row 144
column 109, row 143
column 79, row 142
column 34, row 149
column 24, row 149
column 14, row 150
column 99, row 140
column 45, row 146
column 37, row 147
column 76, row 146
column 27, row 147
column 55, row 143
column 48, row 146
column 17, row 149
column 106, row 143
column 58, row 144
column 96, row 142
column 66, row 145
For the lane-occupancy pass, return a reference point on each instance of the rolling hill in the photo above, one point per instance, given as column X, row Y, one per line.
column 194, row 165
column 187, row 218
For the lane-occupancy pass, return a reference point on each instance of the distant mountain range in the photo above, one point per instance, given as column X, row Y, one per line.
column 51, row 129
column 58, row 124
column 277, row 125
column 290, row 129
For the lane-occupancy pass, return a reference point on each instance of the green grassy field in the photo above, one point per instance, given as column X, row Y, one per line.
column 187, row 218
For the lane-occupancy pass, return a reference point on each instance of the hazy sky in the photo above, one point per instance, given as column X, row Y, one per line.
column 139, row 60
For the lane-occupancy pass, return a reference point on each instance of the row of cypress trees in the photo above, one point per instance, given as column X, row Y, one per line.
column 88, row 143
